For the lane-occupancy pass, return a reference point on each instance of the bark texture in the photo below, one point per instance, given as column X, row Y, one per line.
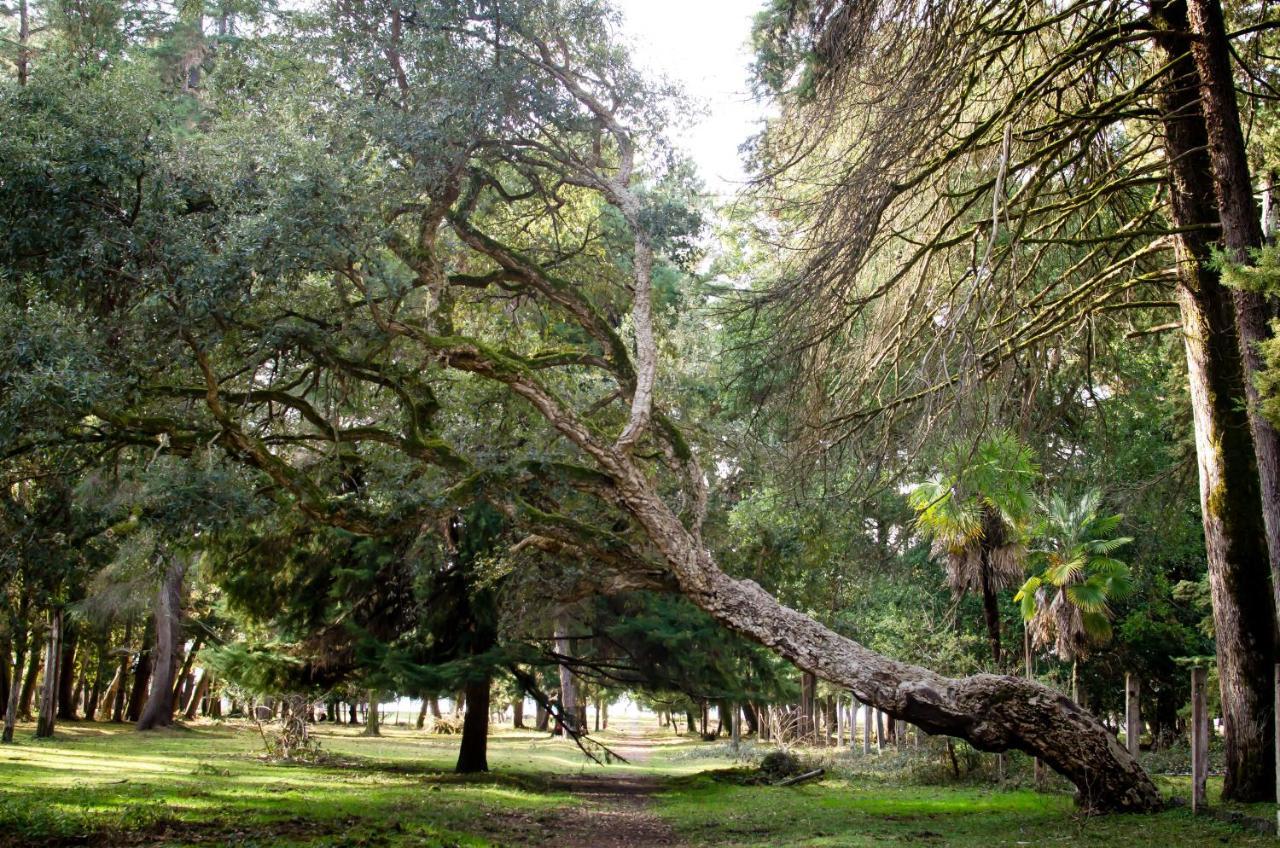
column 49, row 687
column 158, row 711
column 1230, row 496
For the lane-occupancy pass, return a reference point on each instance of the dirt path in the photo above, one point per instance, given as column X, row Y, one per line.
column 616, row 810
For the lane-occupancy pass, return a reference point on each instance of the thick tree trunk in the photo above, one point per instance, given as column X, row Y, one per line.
column 473, row 753
column 752, row 719
column 67, row 672
column 568, row 687
column 49, row 687
column 422, row 716
column 807, row 727
column 1231, row 502
column 517, row 713
column 158, row 711
column 371, row 718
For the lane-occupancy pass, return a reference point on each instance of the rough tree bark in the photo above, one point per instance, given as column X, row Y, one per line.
column 49, row 687
column 158, row 711
column 1230, row 498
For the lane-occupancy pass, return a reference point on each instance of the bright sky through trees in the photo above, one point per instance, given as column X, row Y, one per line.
column 704, row 46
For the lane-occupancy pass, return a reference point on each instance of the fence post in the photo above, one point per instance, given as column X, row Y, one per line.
column 1132, row 721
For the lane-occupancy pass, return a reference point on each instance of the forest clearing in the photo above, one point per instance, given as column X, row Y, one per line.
column 873, row 404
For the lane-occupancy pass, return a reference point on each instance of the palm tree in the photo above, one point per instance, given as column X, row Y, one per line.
column 977, row 516
column 1066, row 604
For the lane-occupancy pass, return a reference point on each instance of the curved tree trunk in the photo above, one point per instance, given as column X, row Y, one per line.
column 992, row 712
column 473, row 753
column 158, row 711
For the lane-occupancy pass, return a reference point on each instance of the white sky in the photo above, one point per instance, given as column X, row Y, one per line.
column 704, row 45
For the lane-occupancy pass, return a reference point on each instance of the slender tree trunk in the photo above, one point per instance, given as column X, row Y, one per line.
column 141, row 677
column 122, row 674
column 24, row 37
column 184, row 682
column 990, row 609
column 99, row 677
column 29, row 684
column 67, row 672
column 158, row 711
column 473, row 752
column 49, row 688
column 13, row 693
column 1230, row 497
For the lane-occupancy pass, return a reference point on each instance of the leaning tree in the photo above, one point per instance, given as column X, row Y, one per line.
column 446, row 197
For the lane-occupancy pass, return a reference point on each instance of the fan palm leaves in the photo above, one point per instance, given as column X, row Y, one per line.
column 1066, row 605
column 976, row 515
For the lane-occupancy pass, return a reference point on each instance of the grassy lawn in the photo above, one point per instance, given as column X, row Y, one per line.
column 98, row 784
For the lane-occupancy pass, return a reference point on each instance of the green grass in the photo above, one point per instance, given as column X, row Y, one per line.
column 100, row 784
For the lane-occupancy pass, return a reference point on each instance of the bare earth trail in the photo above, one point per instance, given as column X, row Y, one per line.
column 616, row 811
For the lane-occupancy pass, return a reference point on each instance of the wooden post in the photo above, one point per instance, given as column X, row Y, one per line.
column 1199, row 740
column 1132, row 720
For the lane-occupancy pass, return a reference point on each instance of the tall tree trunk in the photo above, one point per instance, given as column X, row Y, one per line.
column 422, row 716
column 126, row 653
column 49, row 687
column 807, row 726
column 24, row 37
column 158, row 711
column 29, row 684
column 752, row 719
column 141, row 676
column 197, row 695
column 435, row 706
column 67, row 672
column 1230, row 497
column 184, row 682
column 568, row 687
column 371, row 718
column 99, row 678
column 990, row 609
column 517, row 713
column 12, row 694
column 473, row 753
